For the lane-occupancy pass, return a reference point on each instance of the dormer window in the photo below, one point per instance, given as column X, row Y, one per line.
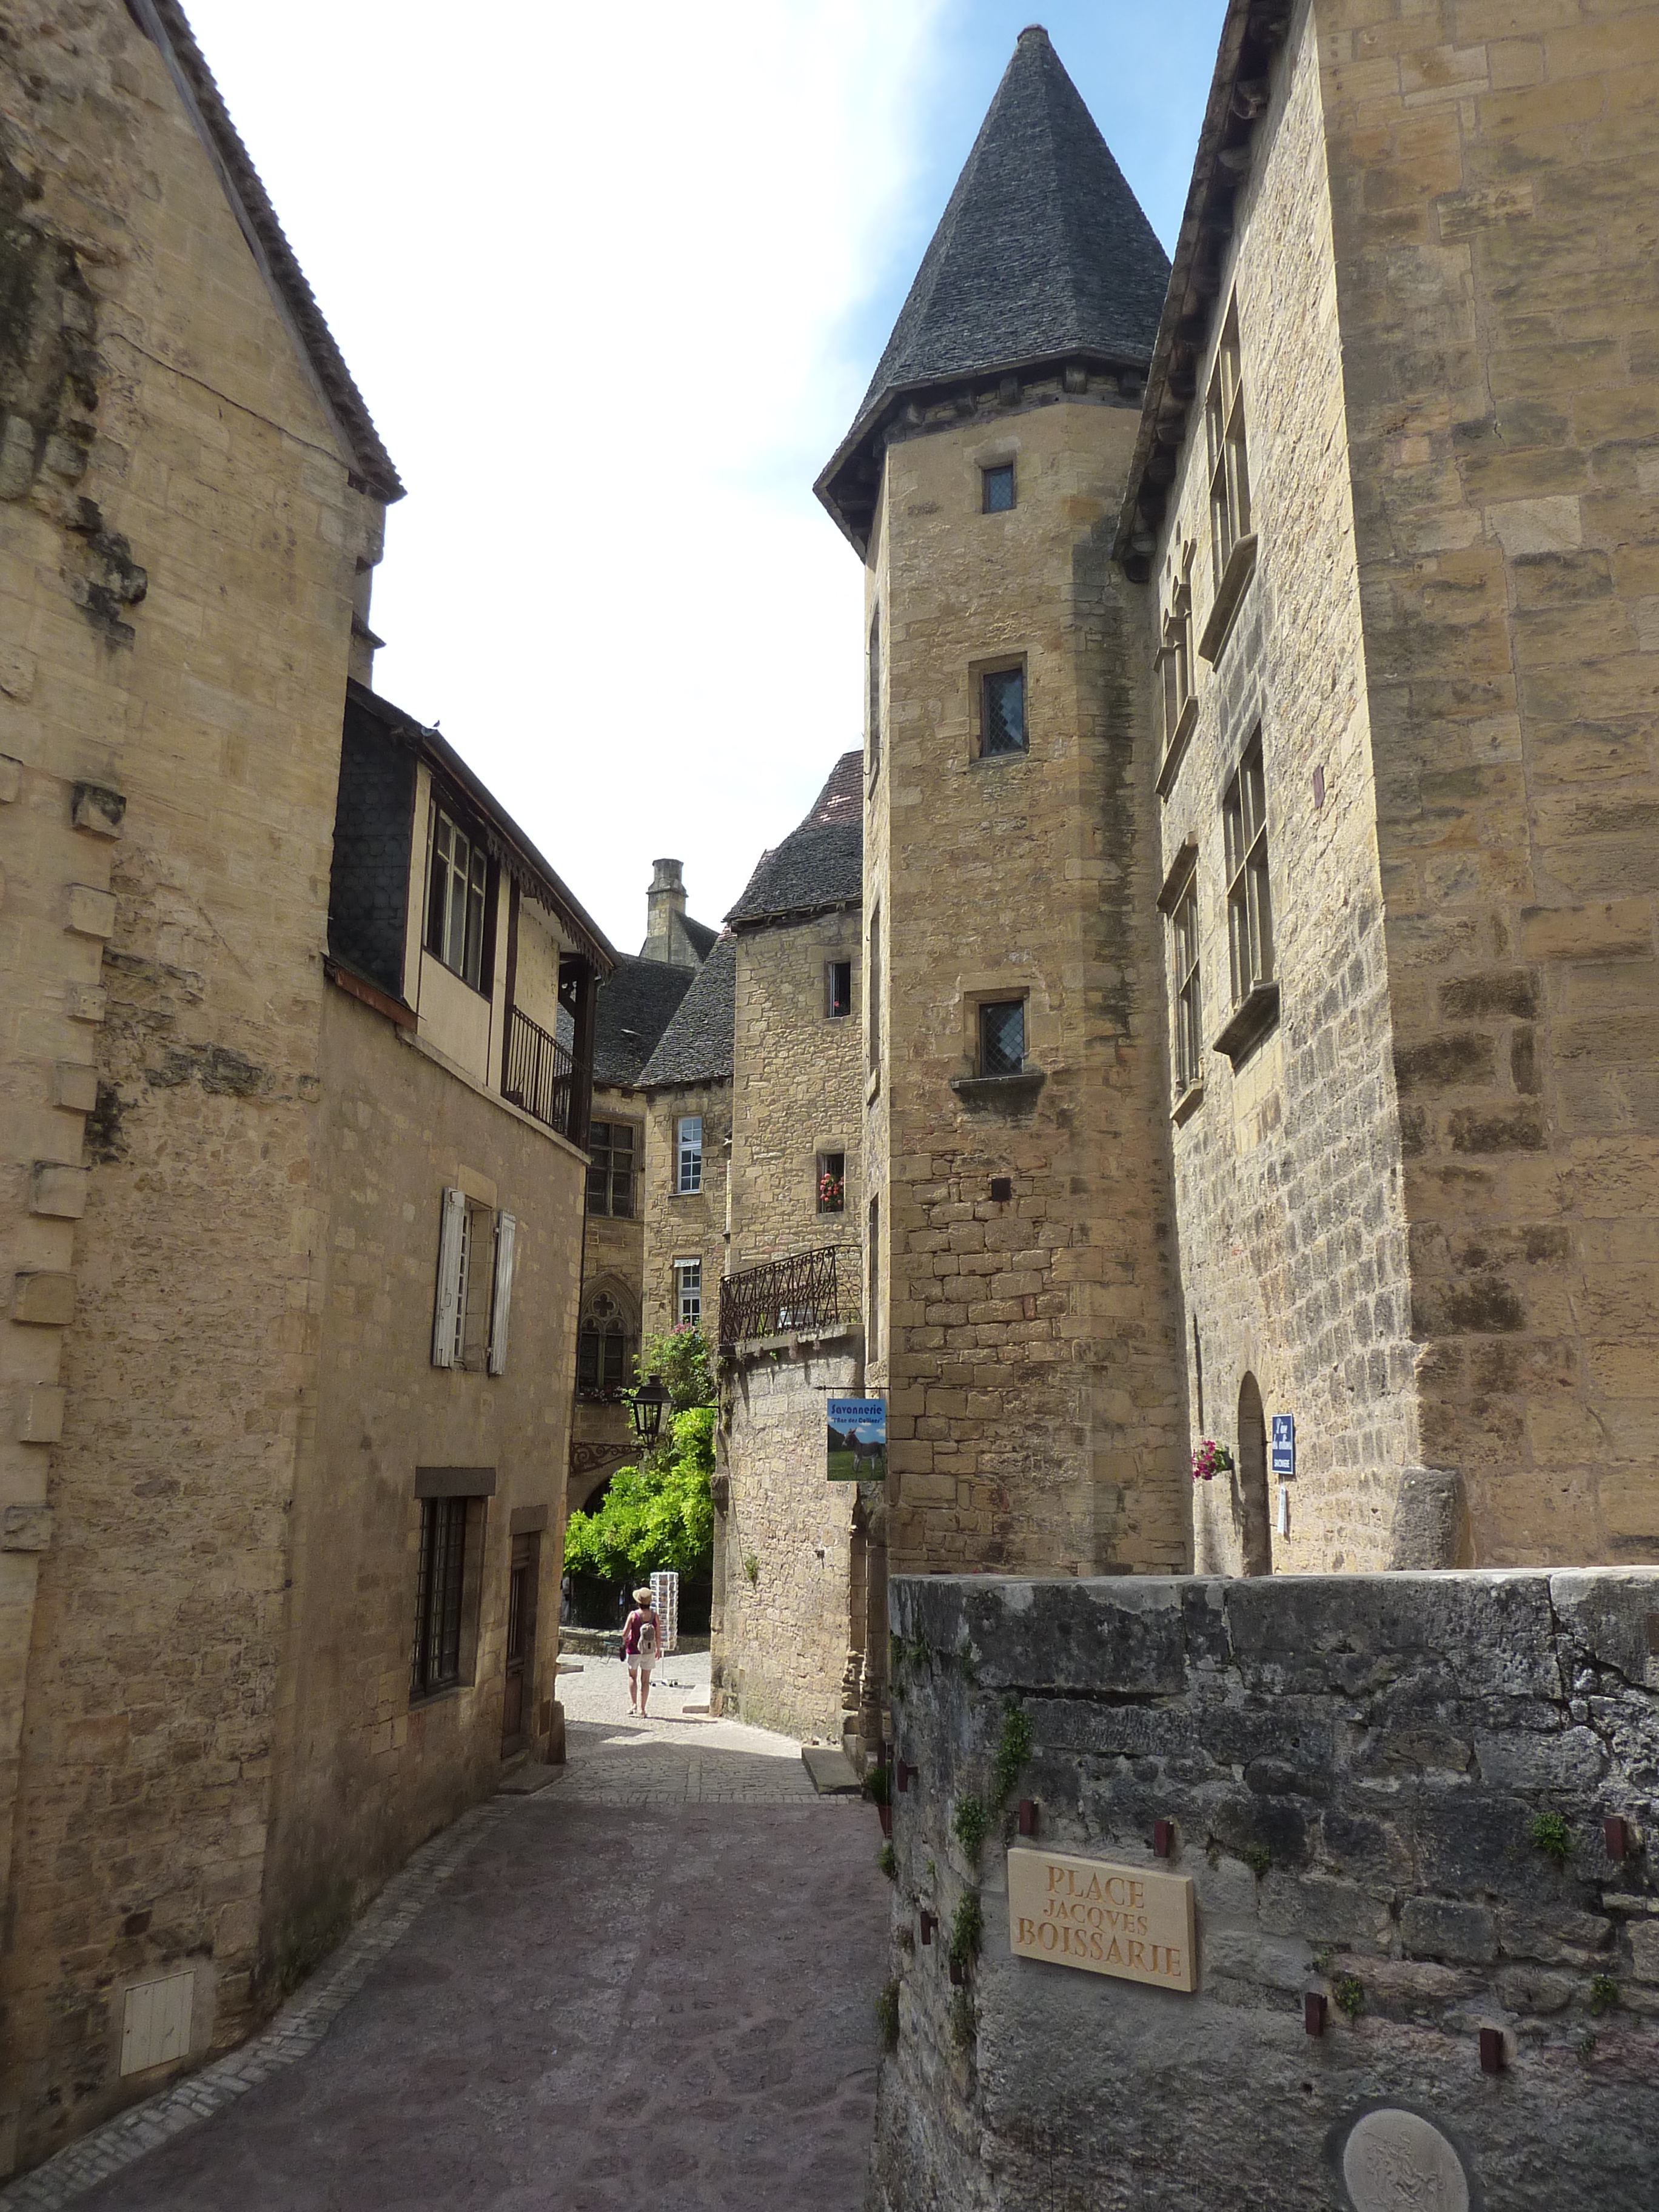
column 455, row 901
column 997, row 488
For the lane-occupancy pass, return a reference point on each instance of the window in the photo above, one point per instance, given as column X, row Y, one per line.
column 1230, row 468
column 872, row 1264
column 875, row 694
column 1002, row 712
column 998, row 487
column 1175, row 659
column 872, row 994
column 439, row 1593
column 832, row 1182
column 1183, row 946
column 687, row 1293
column 603, row 1348
column 687, row 1155
column 610, row 1168
column 476, row 1251
column 1249, row 909
column 1002, row 1038
column 455, row 901
column 838, row 989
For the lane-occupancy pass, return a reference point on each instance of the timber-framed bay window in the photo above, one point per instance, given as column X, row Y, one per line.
column 1232, row 526
column 1250, row 907
column 456, row 900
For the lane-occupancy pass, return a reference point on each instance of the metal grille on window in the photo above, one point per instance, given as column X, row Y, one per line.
column 1229, row 467
column 610, row 1171
column 1002, row 1038
column 1249, row 909
column 999, row 489
column 439, row 1586
column 1003, row 727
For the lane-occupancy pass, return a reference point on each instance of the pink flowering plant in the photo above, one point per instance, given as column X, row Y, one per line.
column 1211, row 1459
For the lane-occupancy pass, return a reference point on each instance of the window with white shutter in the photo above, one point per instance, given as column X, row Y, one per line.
column 501, row 1303
column 449, row 1315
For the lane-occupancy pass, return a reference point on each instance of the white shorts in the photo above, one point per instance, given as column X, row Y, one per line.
column 636, row 1665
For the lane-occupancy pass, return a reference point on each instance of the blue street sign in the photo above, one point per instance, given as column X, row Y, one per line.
column 1283, row 1444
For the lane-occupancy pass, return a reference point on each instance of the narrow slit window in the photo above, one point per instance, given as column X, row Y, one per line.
column 838, row 989
column 1249, row 905
column 1002, row 711
column 1176, row 656
column 832, row 1182
column 872, row 994
column 1002, row 1038
column 1183, row 945
column 875, row 694
column 997, row 487
column 1229, row 457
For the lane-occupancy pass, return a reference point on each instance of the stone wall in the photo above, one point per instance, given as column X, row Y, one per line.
column 613, row 1260
column 794, row 1545
column 1287, row 1165
column 1493, row 172
column 359, row 1777
column 1029, row 1341
column 798, row 1090
column 682, row 1228
column 1361, row 1773
column 171, row 770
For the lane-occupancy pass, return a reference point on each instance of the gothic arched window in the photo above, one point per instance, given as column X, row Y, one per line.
column 603, row 1347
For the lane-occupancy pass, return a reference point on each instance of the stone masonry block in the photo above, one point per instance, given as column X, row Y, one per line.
column 58, row 1189
column 26, row 1528
column 75, row 1085
column 45, row 1297
column 1433, row 1928
column 11, row 774
column 89, row 912
column 1323, row 1909
column 1574, row 1759
column 39, row 1413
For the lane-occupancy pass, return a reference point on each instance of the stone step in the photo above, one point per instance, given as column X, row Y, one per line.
column 830, row 1770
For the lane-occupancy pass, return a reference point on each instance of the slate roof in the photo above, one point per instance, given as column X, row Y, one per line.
column 696, row 1046
column 636, row 1003
column 820, row 864
column 1042, row 254
column 703, row 938
column 163, row 22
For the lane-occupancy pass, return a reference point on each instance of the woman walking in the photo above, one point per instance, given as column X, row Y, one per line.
column 641, row 1641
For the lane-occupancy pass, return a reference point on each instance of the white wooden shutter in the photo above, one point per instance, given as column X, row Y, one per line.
column 450, row 1238
column 501, row 1303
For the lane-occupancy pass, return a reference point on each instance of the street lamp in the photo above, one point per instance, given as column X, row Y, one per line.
column 649, row 1401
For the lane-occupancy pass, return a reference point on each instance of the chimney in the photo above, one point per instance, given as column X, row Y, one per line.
column 664, row 907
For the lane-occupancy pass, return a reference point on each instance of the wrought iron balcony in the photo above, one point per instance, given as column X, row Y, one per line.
column 545, row 1079
column 809, row 1291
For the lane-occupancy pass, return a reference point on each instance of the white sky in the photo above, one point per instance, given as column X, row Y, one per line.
column 613, row 284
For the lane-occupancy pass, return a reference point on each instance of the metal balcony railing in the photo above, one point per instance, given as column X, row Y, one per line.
column 811, row 1290
column 545, row 1079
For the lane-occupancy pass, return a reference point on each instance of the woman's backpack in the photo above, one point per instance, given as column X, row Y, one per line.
column 645, row 1642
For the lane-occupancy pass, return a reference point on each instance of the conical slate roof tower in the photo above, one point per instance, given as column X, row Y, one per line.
column 1042, row 256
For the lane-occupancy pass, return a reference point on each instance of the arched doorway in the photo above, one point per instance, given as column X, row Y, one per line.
column 1255, row 1518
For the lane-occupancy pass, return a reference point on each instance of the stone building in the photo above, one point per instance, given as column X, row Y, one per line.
column 636, row 1002
column 687, row 1086
column 292, row 1025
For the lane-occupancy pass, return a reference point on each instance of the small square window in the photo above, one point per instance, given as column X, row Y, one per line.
column 838, row 989
column 1002, row 720
column 1002, row 1038
column 998, row 484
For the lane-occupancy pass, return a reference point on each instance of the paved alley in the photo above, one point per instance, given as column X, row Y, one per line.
column 650, row 1983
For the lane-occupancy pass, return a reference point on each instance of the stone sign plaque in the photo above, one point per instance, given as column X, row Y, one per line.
column 1107, row 1919
column 1397, row 2161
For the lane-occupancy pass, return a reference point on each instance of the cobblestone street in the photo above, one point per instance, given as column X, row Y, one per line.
column 650, row 1982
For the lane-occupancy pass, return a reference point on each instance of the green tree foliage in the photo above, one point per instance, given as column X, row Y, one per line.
column 657, row 1515
column 680, row 1356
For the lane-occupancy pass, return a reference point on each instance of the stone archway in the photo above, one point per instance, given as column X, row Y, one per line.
column 1255, row 1514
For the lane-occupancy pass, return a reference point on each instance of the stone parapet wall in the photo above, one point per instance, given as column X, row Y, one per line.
column 792, row 1542
column 1361, row 1773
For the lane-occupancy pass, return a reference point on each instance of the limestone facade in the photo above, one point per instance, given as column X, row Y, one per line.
column 1416, row 1212
column 229, row 1130
column 685, row 1226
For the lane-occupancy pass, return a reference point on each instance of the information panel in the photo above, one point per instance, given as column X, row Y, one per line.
column 857, row 1445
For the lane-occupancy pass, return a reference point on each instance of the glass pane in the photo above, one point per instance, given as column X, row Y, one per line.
column 1002, row 1038
column 622, row 1194
column 1005, row 712
column 587, row 1361
column 597, row 1184
column 998, row 489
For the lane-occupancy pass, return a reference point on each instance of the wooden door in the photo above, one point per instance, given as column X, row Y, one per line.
column 523, row 1572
